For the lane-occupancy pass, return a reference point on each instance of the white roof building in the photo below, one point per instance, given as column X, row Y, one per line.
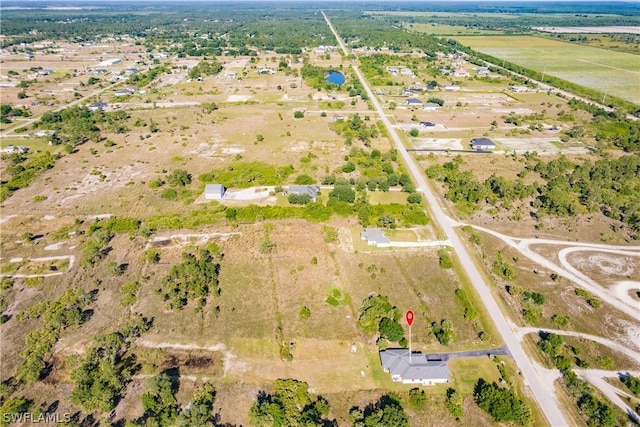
column 414, row 368
column 214, row 191
column 375, row 237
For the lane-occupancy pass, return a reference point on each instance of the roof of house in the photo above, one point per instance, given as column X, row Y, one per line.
column 396, row 361
column 413, row 101
column 214, row 188
column 98, row 105
column 311, row 190
column 374, row 234
column 482, row 142
column 431, row 105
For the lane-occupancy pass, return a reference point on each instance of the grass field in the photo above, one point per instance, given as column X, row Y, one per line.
column 450, row 30
column 615, row 73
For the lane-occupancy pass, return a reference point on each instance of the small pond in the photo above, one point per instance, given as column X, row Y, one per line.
column 335, row 78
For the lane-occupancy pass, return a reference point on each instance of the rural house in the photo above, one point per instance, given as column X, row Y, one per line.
column 414, row 102
column 481, row 144
column 97, row 106
column 375, row 237
column 311, row 190
column 431, row 106
column 214, row 191
column 413, row 368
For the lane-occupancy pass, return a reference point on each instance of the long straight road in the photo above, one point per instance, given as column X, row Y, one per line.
column 543, row 392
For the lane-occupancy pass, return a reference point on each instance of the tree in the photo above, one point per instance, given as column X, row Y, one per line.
column 374, row 309
column 190, row 280
column 11, row 408
column 299, row 199
column 199, row 414
column 443, row 331
column 179, row 177
column 414, row 132
column 390, row 329
column 414, row 198
column 454, row 402
column 343, row 193
column 298, row 114
column 304, row 179
column 289, row 405
column 501, row 403
column 386, row 412
column 159, row 402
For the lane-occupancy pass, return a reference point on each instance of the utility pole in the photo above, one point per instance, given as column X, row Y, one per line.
column 605, row 93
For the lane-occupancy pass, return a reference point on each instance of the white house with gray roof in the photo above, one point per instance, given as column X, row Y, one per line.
column 414, row 368
column 311, row 190
column 376, row 237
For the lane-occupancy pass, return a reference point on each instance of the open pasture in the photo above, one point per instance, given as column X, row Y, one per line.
column 613, row 72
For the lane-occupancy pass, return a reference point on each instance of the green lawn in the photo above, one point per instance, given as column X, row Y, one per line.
column 616, row 73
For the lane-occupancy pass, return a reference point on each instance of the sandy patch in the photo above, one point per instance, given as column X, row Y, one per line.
column 233, row 150
column 593, row 30
column 299, row 146
column 254, row 193
column 513, row 110
column 610, row 264
column 100, row 179
column 438, row 143
column 345, row 241
column 238, row 98
column 237, row 63
column 55, row 246
column 6, row 218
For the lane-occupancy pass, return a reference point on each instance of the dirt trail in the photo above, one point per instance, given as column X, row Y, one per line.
column 609, row 343
column 597, row 379
column 567, row 271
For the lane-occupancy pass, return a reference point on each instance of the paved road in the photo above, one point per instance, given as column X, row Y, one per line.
column 502, row 351
column 543, row 392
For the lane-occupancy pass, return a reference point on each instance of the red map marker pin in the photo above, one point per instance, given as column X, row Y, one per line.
column 409, row 317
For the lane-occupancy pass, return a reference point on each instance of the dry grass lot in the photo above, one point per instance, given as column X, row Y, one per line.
column 260, row 301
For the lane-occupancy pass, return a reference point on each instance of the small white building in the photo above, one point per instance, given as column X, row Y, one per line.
column 97, row 106
column 109, row 62
column 431, row 106
column 482, row 144
column 14, row 149
column 460, row 72
column 125, row 92
column 214, row 191
column 375, row 237
column 414, row 368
